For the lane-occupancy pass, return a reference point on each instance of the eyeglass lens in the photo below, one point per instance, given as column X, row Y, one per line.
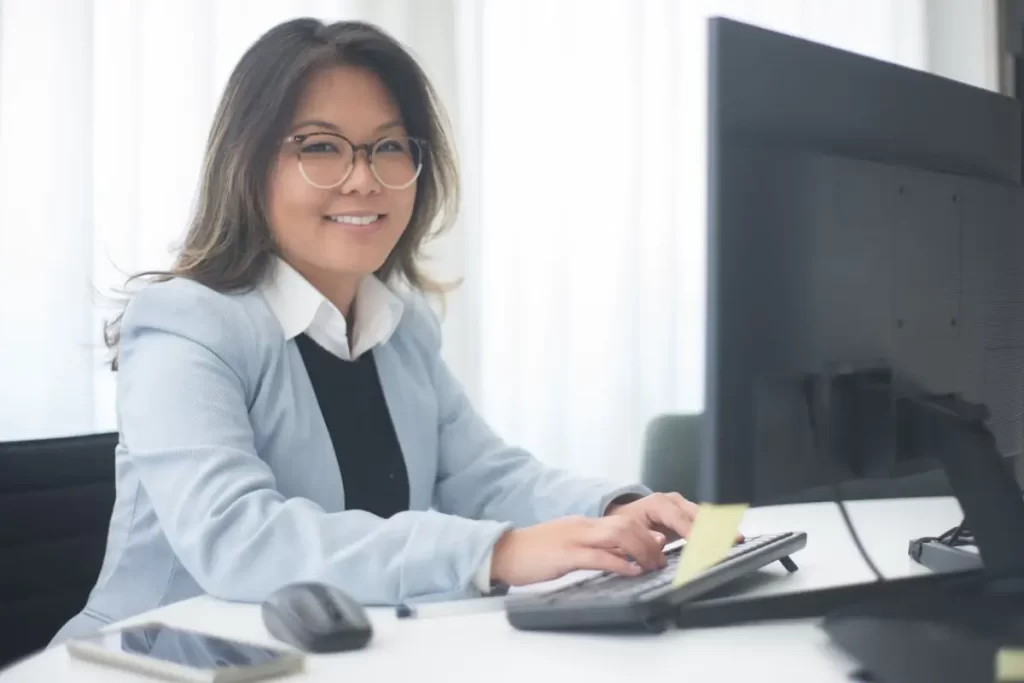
column 327, row 160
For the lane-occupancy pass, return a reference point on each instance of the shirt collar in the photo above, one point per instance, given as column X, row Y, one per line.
column 300, row 308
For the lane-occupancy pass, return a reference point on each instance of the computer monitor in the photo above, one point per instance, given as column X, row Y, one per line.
column 865, row 238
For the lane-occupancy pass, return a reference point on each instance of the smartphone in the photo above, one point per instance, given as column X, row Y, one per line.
column 176, row 654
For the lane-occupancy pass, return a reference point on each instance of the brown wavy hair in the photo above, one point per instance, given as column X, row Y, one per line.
column 229, row 246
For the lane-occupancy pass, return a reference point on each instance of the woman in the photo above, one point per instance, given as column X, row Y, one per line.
column 284, row 410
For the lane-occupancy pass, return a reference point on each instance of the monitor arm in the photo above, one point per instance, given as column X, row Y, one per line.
column 953, row 431
column 877, row 417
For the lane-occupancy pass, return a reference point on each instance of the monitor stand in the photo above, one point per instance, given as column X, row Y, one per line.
column 863, row 619
column 954, row 432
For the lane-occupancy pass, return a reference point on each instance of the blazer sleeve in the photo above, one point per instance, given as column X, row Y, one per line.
column 185, row 382
column 481, row 477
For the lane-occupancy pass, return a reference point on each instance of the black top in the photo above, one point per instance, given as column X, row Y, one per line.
column 365, row 443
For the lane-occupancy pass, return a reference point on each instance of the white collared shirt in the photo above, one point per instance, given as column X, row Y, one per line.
column 300, row 308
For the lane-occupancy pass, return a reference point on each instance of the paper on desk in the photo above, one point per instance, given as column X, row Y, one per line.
column 713, row 534
column 1010, row 664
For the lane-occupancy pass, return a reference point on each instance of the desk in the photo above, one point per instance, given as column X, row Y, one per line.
column 483, row 647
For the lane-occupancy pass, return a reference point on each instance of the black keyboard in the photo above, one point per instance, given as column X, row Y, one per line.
column 646, row 601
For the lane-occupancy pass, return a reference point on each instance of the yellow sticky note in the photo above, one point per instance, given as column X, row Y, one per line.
column 1010, row 664
column 713, row 534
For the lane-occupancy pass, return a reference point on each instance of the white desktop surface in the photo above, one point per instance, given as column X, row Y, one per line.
column 483, row 647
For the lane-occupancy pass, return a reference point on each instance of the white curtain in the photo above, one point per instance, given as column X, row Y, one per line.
column 581, row 130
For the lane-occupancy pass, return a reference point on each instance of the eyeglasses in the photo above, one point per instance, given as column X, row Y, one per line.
column 326, row 159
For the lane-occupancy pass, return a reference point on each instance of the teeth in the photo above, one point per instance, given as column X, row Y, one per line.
column 355, row 220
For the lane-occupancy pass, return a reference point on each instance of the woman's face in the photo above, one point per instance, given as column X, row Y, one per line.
column 349, row 230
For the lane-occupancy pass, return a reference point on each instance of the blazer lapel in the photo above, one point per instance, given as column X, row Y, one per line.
column 413, row 407
column 319, row 476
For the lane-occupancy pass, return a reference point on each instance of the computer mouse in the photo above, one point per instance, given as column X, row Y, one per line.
column 316, row 618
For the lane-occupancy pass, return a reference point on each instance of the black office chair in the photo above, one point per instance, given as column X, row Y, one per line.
column 56, row 497
column 672, row 463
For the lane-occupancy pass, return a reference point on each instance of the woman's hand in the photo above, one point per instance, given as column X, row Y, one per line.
column 550, row 550
column 668, row 513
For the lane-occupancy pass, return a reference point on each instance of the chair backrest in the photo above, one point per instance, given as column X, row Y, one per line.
column 56, row 497
column 672, row 448
column 671, row 460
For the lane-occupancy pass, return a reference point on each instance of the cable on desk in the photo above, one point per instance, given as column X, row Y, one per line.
column 819, row 441
column 957, row 537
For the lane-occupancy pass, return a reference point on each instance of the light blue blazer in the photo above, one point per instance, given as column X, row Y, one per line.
column 228, row 483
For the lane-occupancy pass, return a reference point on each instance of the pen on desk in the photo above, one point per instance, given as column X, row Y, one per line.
column 450, row 608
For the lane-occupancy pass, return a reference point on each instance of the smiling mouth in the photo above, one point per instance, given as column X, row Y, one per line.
column 361, row 221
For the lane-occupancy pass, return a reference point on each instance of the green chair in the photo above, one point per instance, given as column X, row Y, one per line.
column 671, row 457
column 671, row 462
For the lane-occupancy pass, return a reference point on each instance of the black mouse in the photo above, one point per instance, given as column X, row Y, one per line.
column 316, row 618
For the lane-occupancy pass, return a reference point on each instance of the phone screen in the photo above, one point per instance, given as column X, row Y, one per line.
column 186, row 648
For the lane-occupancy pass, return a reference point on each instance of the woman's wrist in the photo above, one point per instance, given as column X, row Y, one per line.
column 499, row 556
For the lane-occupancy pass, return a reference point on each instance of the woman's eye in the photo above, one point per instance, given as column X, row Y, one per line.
column 391, row 146
column 320, row 148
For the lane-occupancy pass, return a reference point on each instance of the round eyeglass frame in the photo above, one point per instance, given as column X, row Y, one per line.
column 368, row 147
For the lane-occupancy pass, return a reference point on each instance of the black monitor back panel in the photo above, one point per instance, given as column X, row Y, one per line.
column 858, row 265
column 859, row 212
